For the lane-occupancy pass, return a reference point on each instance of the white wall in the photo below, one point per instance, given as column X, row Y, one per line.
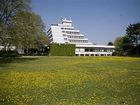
column 57, row 34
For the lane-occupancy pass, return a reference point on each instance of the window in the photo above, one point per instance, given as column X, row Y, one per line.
column 86, row 50
column 65, row 38
column 77, row 49
column 105, row 50
column 91, row 50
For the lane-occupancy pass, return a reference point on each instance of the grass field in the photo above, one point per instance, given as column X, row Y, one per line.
column 70, row 81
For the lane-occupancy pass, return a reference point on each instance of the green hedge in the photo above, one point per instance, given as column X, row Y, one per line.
column 62, row 50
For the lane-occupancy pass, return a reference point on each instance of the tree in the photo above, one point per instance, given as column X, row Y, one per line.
column 2, row 28
column 28, row 31
column 8, row 9
column 118, row 44
column 110, row 43
column 123, row 45
column 133, row 33
column 126, row 45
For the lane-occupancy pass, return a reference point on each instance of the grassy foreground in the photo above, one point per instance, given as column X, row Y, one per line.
column 70, row 81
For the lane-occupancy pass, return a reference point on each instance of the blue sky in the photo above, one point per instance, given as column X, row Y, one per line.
column 100, row 20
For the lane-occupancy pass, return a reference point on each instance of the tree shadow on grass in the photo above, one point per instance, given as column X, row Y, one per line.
column 8, row 60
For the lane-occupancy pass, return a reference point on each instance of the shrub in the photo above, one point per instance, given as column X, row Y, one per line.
column 9, row 53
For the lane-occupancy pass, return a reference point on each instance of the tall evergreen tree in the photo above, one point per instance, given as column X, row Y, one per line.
column 133, row 33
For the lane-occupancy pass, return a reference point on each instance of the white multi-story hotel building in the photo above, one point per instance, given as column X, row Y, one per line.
column 66, row 33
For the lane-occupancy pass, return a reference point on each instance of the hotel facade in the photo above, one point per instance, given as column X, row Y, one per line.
column 65, row 33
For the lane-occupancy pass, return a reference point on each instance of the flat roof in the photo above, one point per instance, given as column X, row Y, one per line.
column 91, row 45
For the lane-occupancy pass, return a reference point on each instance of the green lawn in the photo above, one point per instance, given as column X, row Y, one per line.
column 70, row 81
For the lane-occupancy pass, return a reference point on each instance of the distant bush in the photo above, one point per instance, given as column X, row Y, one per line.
column 37, row 51
column 62, row 50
